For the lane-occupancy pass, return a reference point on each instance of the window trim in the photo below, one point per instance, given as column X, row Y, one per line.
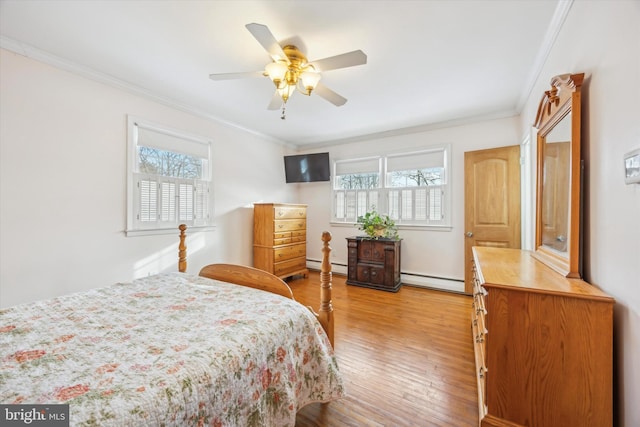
column 384, row 190
column 132, row 123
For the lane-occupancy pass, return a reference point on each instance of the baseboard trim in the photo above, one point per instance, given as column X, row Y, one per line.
column 407, row 278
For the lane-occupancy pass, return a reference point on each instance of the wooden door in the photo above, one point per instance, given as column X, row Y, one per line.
column 555, row 221
column 491, row 202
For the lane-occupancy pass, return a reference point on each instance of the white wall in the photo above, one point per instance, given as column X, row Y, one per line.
column 602, row 39
column 63, row 185
column 427, row 251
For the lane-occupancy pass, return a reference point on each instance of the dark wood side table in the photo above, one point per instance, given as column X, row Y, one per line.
column 374, row 263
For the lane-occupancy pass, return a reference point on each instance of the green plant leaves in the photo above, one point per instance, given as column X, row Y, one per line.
column 378, row 226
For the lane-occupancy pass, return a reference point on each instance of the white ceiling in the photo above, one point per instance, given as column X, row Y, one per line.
column 430, row 63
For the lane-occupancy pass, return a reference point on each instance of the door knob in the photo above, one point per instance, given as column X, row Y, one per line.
column 468, row 234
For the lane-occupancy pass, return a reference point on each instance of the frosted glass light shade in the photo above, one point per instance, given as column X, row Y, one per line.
column 276, row 72
column 310, row 80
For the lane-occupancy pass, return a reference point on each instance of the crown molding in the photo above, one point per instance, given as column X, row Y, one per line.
column 555, row 25
column 414, row 129
column 34, row 53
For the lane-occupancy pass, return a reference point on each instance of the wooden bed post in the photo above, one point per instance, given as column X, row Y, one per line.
column 182, row 250
column 326, row 308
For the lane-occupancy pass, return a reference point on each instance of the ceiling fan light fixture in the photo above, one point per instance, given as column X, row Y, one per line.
column 277, row 72
column 290, row 69
column 296, row 73
column 285, row 92
column 309, row 79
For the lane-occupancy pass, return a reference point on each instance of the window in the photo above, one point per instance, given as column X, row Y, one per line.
column 409, row 187
column 415, row 185
column 169, row 179
column 356, row 186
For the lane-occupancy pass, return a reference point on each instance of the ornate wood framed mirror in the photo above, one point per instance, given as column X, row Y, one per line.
column 559, row 177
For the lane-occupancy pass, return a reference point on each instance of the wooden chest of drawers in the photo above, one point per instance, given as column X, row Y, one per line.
column 373, row 263
column 543, row 344
column 280, row 238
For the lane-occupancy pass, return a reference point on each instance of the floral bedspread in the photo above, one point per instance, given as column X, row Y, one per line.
column 171, row 349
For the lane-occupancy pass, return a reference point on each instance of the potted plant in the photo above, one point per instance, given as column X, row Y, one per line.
column 377, row 226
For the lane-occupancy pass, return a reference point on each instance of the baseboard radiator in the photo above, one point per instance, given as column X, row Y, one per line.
column 408, row 278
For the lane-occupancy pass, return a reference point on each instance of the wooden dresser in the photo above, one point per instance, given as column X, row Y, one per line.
column 543, row 344
column 373, row 263
column 280, row 238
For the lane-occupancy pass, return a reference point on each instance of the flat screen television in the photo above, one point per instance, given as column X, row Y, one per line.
column 307, row 167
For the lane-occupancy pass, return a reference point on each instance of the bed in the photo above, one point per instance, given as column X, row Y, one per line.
column 174, row 349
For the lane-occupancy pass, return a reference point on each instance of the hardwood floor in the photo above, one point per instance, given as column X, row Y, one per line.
column 407, row 357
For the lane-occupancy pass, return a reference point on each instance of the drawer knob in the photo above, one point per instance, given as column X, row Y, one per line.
column 482, row 371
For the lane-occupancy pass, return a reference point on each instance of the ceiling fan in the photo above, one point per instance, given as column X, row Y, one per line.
column 290, row 70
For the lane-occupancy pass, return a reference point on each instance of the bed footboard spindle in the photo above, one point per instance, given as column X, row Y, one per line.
column 325, row 316
column 182, row 250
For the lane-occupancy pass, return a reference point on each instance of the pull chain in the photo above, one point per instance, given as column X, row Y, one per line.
column 283, row 117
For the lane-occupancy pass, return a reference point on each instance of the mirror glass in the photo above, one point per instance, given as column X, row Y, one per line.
column 556, row 186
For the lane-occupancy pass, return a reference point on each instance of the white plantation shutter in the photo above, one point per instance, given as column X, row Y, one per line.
column 351, row 205
column 435, row 204
column 201, row 202
column 186, row 202
column 393, row 210
column 339, row 203
column 407, row 204
column 417, row 204
column 420, row 202
column 171, row 201
column 361, row 201
column 148, row 196
column 373, row 200
column 168, row 191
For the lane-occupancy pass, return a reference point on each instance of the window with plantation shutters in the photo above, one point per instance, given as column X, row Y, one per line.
column 411, row 187
column 168, row 179
column 356, row 183
column 417, row 183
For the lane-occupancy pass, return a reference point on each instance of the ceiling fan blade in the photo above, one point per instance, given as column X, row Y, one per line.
column 349, row 59
column 268, row 41
column 326, row 93
column 276, row 101
column 231, row 76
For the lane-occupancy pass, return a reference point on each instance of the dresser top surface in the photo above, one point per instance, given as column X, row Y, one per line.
column 518, row 269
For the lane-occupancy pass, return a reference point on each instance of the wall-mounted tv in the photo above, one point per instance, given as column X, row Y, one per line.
column 307, row 167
